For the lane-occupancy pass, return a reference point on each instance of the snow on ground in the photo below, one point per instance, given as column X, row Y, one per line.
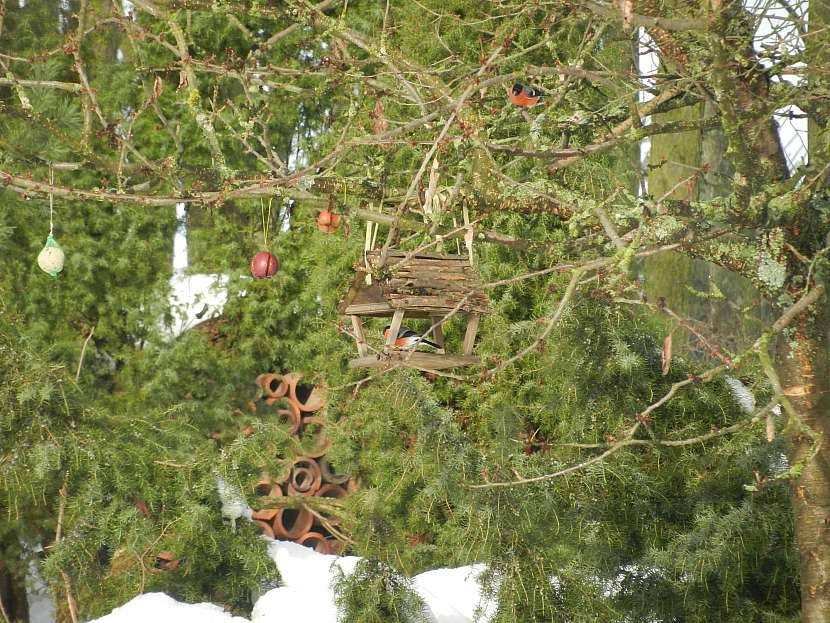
column 159, row 608
column 452, row 595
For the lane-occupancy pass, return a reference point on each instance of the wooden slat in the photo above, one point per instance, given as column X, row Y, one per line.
column 427, row 361
column 442, row 303
column 470, row 335
column 421, row 254
column 360, row 336
column 426, row 284
column 370, row 309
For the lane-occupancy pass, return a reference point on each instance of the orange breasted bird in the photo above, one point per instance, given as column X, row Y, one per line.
column 408, row 338
column 524, row 96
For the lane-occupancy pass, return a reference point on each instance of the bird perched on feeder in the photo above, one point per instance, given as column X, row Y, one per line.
column 408, row 338
column 524, row 96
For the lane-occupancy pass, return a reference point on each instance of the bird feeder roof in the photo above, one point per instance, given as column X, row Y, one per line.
column 424, row 285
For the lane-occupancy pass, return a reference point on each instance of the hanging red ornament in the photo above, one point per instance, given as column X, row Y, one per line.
column 328, row 221
column 264, row 265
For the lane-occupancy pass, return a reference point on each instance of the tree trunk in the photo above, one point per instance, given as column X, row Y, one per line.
column 808, row 365
column 15, row 605
column 804, row 363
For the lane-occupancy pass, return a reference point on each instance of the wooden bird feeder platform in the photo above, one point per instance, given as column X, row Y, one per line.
column 423, row 285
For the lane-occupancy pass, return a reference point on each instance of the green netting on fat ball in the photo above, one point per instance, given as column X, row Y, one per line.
column 51, row 257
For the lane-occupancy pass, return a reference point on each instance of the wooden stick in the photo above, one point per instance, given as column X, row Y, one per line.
column 470, row 335
column 83, row 352
column 438, row 332
column 394, row 328
column 359, row 336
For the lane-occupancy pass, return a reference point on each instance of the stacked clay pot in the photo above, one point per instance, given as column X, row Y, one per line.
column 307, row 474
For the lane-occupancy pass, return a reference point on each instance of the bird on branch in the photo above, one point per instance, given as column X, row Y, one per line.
column 524, row 96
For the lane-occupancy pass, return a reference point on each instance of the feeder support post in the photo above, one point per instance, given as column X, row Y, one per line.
column 360, row 336
column 470, row 335
column 394, row 328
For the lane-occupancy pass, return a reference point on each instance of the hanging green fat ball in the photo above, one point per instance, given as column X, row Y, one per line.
column 51, row 257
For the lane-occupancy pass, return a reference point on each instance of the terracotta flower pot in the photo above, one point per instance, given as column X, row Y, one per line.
column 266, row 528
column 263, row 485
column 284, row 473
column 315, row 429
column 328, row 473
column 305, row 477
column 316, row 541
column 167, row 560
column 292, row 523
column 272, row 385
column 290, row 415
column 266, row 514
column 316, row 400
column 331, row 491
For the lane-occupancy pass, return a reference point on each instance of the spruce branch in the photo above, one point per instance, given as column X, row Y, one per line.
column 790, row 314
column 689, row 441
column 554, row 319
column 67, row 585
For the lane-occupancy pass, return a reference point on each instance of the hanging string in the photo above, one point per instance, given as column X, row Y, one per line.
column 51, row 198
column 266, row 221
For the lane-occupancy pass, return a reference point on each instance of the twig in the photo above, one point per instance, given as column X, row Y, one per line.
column 3, row 611
column 707, row 344
column 573, row 468
column 609, row 228
column 554, row 320
column 648, row 21
column 675, row 443
column 83, row 352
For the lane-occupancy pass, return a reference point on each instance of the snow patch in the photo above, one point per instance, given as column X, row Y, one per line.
column 742, row 395
column 451, row 595
column 454, row 595
column 233, row 504
column 160, row 608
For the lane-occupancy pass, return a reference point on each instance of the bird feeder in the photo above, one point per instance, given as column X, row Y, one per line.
column 419, row 285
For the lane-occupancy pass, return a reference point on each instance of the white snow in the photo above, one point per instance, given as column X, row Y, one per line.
column 284, row 604
column 233, row 504
column 744, row 397
column 159, row 608
column 194, row 299
column 451, row 595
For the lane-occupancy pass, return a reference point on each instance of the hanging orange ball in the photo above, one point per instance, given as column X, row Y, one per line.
column 328, row 221
column 264, row 265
